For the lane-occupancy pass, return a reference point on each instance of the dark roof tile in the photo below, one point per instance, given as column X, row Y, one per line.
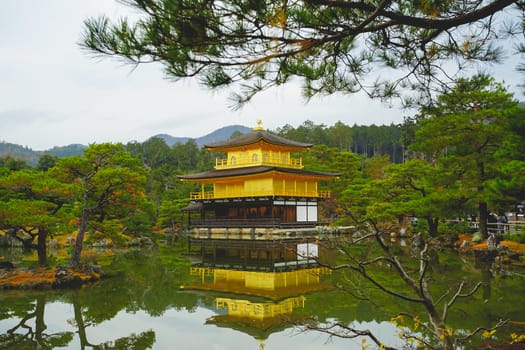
column 256, row 136
column 253, row 171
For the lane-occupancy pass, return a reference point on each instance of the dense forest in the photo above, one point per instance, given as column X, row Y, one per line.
column 444, row 163
column 365, row 140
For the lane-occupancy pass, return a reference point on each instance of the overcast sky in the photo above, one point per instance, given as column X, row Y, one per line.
column 53, row 94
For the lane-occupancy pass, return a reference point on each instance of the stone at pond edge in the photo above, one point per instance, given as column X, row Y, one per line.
column 67, row 278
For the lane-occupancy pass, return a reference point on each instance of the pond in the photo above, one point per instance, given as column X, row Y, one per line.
column 156, row 300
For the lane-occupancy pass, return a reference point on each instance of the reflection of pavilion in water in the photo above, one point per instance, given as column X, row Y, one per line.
column 258, row 293
column 264, row 255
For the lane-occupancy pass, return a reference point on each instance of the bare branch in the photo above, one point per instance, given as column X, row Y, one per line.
column 459, row 294
column 462, row 340
column 343, row 331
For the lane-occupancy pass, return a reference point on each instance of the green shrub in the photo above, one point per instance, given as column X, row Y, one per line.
column 457, row 227
column 515, row 237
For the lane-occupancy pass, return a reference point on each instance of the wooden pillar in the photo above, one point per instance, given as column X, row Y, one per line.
column 214, row 247
column 272, row 256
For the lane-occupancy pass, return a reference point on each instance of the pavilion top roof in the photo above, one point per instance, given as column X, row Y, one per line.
column 257, row 135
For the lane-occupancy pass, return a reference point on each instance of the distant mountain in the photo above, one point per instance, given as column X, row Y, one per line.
column 215, row 136
column 16, row 151
column 222, row 134
column 32, row 157
column 67, row 151
column 171, row 140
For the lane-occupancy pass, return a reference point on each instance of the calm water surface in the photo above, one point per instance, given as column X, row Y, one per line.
column 154, row 302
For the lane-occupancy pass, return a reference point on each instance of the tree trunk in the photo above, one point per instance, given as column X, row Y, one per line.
column 432, row 226
column 483, row 216
column 40, row 325
column 75, row 259
column 41, row 247
column 482, row 206
column 79, row 319
column 441, row 330
column 422, row 288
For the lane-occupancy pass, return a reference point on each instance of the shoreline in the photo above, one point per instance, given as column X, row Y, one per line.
column 45, row 278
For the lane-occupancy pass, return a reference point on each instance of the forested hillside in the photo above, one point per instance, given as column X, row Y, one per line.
column 31, row 157
column 217, row 135
column 19, row 152
column 366, row 140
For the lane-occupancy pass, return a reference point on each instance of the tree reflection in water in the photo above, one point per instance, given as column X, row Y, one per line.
column 24, row 335
column 141, row 306
column 31, row 335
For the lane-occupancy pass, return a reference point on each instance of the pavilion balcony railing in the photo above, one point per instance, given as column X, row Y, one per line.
column 201, row 195
column 286, row 162
column 240, row 194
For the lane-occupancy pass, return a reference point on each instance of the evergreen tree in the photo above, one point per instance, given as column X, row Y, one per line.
column 332, row 46
column 34, row 205
column 109, row 186
column 464, row 132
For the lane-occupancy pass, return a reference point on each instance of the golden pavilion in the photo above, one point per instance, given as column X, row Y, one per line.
column 259, row 187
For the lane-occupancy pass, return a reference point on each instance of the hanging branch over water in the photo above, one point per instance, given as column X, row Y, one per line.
column 381, row 47
column 415, row 289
